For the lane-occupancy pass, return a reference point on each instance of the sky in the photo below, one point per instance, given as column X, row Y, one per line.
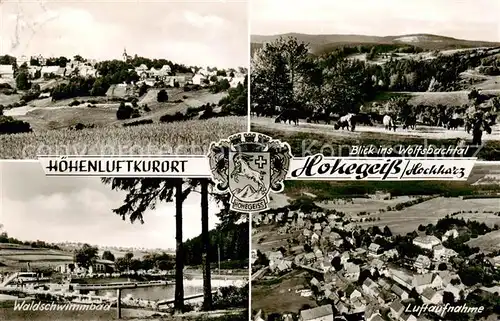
column 201, row 33
column 79, row 209
column 463, row 19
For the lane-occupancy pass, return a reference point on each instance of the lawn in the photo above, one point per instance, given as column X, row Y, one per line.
column 319, row 139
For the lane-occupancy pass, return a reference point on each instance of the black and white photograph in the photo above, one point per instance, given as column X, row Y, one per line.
column 139, row 248
column 379, row 250
column 121, row 77
column 376, row 72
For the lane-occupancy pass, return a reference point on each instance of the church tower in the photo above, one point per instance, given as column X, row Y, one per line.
column 125, row 56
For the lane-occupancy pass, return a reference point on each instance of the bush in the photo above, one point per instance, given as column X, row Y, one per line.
column 124, row 112
column 231, row 297
column 162, row 96
column 74, row 103
column 30, row 95
column 9, row 125
column 178, row 116
column 139, row 122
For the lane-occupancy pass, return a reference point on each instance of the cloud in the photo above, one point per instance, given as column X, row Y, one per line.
column 100, row 30
column 58, row 209
column 201, row 21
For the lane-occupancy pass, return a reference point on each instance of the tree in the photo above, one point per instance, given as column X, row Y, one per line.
column 448, row 297
column 387, row 231
column 86, row 255
column 22, row 80
column 107, row 255
column 207, row 287
column 337, row 263
column 124, row 111
column 143, row 194
column 442, row 267
column 162, row 96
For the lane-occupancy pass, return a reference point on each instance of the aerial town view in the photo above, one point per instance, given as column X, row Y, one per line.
column 374, row 251
column 82, row 242
column 89, row 79
column 385, row 72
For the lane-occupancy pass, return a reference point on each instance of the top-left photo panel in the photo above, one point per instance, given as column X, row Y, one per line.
column 121, row 77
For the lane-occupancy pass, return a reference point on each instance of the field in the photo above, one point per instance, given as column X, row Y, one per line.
column 319, row 138
column 13, row 257
column 266, row 238
column 405, row 221
column 487, row 243
column 269, row 295
column 189, row 137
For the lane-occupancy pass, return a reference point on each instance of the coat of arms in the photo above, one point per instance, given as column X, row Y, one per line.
column 249, row 166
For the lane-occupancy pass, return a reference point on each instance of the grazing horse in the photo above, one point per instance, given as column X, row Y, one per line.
column 241, row 168
column 348, row 121
column 288, row 115
column 389, row 123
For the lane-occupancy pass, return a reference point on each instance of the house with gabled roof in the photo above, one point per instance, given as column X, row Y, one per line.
column 408, row 317
column 351, row 271
column 396, row 309
column 321, row 313
column 422, row 263
column 422, row 282
column 431, row 296
column 402, row 294
column 374, row 249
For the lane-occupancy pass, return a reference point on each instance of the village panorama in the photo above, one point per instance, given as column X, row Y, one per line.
column 374, row 250
column 129, row 105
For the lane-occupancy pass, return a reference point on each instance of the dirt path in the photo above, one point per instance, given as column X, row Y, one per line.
column 420, row 132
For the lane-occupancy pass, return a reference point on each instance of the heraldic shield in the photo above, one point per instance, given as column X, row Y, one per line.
column 249, row 166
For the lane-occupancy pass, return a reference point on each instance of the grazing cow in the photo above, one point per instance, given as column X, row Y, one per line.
column 288, row 115
column 348, row 121
column 389, row 123
column 363, row 118
column 376, row 117
column 316, row 117
column 410, row 122
column 455, row 123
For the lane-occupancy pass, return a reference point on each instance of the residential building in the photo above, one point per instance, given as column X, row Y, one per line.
column 396, row 309
column 321, row 313
column 449, row 234
column 374, row 249
column 426, row 242
column 443, row 254
column 6, row 71
column 422, row 263
column 431, row 296
column 351, row 271
column 402, row 294
column 408, row 317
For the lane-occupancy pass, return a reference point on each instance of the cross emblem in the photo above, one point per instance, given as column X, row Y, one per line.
column 261, row 162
